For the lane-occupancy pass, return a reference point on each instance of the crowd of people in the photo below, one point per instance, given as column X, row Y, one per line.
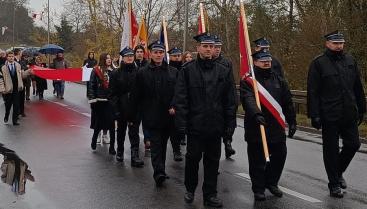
column 16, row 89
column 192, row 100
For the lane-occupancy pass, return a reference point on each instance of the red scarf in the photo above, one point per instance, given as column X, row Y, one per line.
column 101, row 77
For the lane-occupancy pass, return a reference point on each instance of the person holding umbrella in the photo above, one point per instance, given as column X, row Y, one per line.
column 58, row 63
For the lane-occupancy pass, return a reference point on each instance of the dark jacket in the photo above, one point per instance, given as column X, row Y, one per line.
column 334, row 88
column 90, row 63
column 121, row 84
column 141, row 63
column 278, row 88
column 152, row 94
column 205, row 98
column 97, row 91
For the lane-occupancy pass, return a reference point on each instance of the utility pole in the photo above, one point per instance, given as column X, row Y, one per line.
column 48, row 22
column 186, row 24
column 15, row 5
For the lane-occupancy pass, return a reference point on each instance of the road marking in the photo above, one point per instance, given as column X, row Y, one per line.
column 285, row 190
column 86, row 114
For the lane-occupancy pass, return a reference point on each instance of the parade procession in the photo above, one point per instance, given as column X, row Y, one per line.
column 216, row 109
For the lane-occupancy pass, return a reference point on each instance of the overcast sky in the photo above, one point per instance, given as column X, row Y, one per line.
column 56, row 6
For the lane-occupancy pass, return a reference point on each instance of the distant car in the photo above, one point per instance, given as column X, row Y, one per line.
column 31, row 51
column 16, row 47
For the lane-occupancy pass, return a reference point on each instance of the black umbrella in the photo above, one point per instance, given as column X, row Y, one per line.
column 51, row 49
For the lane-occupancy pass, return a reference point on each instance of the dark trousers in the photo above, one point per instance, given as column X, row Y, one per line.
column 112, row 136
column 261, row 173
column 175, row 142
column 209, row 148
column 10, row 100
column 133, row 133
column 227, row 139
column 336, row 161
column 21, row 101
column 158, row 149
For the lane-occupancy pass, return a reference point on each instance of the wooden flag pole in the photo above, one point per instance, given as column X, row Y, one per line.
column 130, row 22
column 164, row 23
column 202, row 18
column 256, row 91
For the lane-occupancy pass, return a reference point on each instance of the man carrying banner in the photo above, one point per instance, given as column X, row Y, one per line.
column 266, row 175
column 205, row 111
column 336, row 103
column 152, row 95
column 218, row 57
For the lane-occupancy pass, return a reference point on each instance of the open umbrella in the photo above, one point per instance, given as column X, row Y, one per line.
column 31, row 51
column 51, row 49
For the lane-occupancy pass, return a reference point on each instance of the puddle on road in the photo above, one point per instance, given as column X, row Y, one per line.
column 14, row 171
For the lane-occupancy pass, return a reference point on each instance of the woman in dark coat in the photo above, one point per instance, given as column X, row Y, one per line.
column 41, row 83
column 98, row 94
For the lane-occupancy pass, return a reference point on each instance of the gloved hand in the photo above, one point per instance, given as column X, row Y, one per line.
column 228, row 132
column 360, row 119
column 259, row 118
column 316, row 123
column 292, row 128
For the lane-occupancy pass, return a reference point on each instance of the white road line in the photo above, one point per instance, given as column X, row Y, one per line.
column 69, row 108
column 285, row 190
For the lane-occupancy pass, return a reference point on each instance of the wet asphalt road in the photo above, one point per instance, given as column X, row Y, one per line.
column 54, row 139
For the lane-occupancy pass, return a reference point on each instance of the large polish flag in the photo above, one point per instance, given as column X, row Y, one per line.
column 67, row 74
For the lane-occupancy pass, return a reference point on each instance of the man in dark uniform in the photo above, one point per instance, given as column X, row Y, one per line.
column 264, row 44
column 336, row 103
column 152, row 96
column 141, row 62
column 266, row 175
column 139, row 52
column 205, row 110
column 175, row 60
column 121, row 83
column 218, row 57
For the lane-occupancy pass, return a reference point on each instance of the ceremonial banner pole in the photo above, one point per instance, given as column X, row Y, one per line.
column 164, row 24
column 130, row 23
column 202, row 18
column 256, row 91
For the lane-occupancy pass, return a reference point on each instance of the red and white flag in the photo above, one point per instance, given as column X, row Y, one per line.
column 67, row 74
column 202, row 20
column 266, row 99
column 130, row 29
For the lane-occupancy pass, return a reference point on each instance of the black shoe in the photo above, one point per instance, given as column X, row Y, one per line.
column 259, row 196
column 177, row 156
column 111, row 150
column 28, row 99
column 229, row 150
column 213, row 201
column 16, row 124
column 336, row 191
column 120, row 156
column 342, row 182
column 93, row 145
column 275, row 191
column 137, row 162
column 189, row 197
column 61, row 97
column 6, row 120
column 159, row 180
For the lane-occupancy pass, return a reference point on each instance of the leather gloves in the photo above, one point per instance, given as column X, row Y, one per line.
column 316, row 123
column 259, row 118
column 292, row 128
